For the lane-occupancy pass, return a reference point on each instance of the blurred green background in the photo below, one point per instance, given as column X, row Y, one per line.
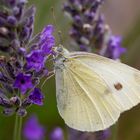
column 124, row 20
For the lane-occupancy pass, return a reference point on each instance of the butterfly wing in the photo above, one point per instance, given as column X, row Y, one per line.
column 86, row 96
column 114, row 74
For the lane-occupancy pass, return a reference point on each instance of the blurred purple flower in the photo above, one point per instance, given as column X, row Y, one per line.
column 36, row 97
column 23, row 82
column 103, row 135
column 33, row 130
column 87, row 24
column 78, row 135
column 114, row 49
column 35, row 60
column 57, row 134
column 47, row 40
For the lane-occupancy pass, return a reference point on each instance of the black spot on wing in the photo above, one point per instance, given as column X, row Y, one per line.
column 118, row 86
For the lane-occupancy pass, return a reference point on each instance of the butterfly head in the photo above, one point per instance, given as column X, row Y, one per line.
column 60, row 50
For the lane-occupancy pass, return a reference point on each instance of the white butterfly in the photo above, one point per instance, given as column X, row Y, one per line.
column 92, row 90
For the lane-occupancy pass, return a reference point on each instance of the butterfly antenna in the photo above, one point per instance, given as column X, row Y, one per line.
column 59, row 33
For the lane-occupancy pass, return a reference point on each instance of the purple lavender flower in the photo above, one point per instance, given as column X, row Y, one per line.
column 41, row 50
column 33, row 130
column 23, row 82
column 35, row 60
column 47, row 40
column 22, row 65
column 36, row 97
column 114, row 49
column 15, row 17
column 57, row 134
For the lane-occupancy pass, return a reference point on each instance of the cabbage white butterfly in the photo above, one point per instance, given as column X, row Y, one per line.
column 92, row 90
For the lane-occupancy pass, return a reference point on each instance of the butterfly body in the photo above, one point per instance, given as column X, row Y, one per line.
column 92, row 90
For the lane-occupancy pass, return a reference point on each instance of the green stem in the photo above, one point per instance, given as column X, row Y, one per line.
column 17, row 128
column 20, row 128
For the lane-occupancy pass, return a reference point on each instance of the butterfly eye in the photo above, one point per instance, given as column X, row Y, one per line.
column 118, row 86
column 59, row 49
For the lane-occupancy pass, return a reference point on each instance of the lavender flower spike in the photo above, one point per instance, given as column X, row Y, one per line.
column 43, row 48
column 33, row 130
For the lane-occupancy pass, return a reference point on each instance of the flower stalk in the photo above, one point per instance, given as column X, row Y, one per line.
column 17, row 128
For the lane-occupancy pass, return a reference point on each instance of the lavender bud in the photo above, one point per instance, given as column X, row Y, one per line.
column 75, row 34
column 89, row 17
column 25, row 33
column 11, row 2
column 15, row 100
column 12, row 20
column 2, row 95
column 67, row 8
column 16, row 11
column 78, row 20
column 3, row 78
column 22, row 51
column 22, row 2
column 15, row 44
column 3, row 31
column 21, row 112
column 2, row 21
column 10, row 70
column 20, row 12
column 5, row 103
column 29, row 16
column 8, row 111
column 96, row 5
column 26, row 103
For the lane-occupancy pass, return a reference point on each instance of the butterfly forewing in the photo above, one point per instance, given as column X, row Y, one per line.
column 84, row 99
column 122, row 79
column 93, row 90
